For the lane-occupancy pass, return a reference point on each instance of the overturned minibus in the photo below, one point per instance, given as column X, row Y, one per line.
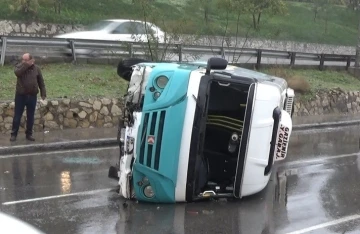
column 194, row 131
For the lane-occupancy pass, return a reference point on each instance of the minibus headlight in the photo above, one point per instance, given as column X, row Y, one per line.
column 145, row 180
column 161, row 81
column 157, row 95
column 149, row 192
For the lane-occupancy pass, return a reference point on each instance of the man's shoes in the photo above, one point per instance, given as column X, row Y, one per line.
column 13, row 138
column 30, row 138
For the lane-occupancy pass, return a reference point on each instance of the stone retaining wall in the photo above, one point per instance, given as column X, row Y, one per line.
column 105, row 112
column 335, row 101
column 65, row 113
column 35, row 29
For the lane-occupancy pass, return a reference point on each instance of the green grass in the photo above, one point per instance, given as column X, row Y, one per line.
column 297, row 24
column 77, row 81
column 72, row 81
column 317, row 80
column 325, row 80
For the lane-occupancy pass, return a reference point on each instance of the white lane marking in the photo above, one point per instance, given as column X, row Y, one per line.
column 322, row 159
column 57, row 196
column 327, row 224
column 57, row 152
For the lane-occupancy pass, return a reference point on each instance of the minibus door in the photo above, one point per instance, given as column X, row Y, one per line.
column 242, row 156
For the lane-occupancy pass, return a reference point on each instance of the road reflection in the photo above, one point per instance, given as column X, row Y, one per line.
column 336, row 197
column 253, row 214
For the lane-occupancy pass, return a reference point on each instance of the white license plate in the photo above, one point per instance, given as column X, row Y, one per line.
column 282, row 143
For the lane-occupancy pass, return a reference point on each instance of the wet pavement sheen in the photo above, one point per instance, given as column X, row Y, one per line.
column 318, row 183
column 65, row 135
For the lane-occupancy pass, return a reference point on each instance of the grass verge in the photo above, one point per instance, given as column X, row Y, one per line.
column 72, row 81
column 88, row 80
column 308, row 82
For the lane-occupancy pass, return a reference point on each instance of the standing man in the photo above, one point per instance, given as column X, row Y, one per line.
column 29, row 81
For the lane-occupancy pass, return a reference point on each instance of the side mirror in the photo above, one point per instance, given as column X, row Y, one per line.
column 216, row 64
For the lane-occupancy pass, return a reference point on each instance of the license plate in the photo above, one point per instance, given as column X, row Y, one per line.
column 282, row 143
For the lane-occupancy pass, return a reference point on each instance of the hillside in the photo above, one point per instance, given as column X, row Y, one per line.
column 296, row 24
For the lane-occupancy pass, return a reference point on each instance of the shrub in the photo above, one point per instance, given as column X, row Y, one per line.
column 297, row 82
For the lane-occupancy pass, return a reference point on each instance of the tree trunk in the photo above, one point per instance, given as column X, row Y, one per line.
column 225, row 32
column 206, row 14
column 357, row 59
column 326, row 21
column 236, row 36
column 258, row 20
column 254, row 21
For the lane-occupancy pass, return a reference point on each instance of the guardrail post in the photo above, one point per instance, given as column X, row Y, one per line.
column 180, row 49
column 322, row 61
column 348, row 62
column 222, row 52
column 72, row 46
column 131, row 50
column 258, row 62
column 292, row 59
column 3, row 50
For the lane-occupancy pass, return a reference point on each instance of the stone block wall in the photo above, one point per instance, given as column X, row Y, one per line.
column 35, row 29
column 65, row 113
column 335, row 101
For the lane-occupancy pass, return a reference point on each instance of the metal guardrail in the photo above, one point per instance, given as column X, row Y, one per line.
column 60, row 48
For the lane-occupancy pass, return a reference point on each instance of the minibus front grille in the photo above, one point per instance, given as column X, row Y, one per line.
column 289, row 105
column 143, row 138
column 151, row 139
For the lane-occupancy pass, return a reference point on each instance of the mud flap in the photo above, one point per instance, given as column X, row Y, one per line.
column 277, row 118
column 113, row 173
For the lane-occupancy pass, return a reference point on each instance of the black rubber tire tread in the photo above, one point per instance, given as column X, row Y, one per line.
column 124, row 67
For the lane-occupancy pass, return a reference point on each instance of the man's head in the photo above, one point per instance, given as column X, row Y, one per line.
column 27, row 58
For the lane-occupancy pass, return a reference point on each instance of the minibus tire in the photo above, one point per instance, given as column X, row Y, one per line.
column 118, row 134
column 120, row 126
column 124, row 69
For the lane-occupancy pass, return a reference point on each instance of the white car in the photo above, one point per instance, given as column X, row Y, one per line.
column 12, row 225
column 118, row 30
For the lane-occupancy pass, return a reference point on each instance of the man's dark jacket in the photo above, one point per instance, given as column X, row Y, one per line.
column 29, row 80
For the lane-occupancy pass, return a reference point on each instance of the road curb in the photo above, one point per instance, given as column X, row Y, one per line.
column 108, row 142
column 56, row 146
column 325, row 125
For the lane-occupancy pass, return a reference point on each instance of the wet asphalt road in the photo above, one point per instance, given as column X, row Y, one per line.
column 316, row 190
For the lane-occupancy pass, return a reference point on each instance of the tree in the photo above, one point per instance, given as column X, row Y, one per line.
column 202, row 5
column 317, row 7
column 57, row 6
column 158, row 49
column 229, row 8
column 24, row 6
column 55, row 3
column 256, row 8
column 353, row 4
column 323, row 6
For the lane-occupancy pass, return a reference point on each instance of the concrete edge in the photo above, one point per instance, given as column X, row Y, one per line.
column 108, row 142
column 55, row 146
column 301, row 127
